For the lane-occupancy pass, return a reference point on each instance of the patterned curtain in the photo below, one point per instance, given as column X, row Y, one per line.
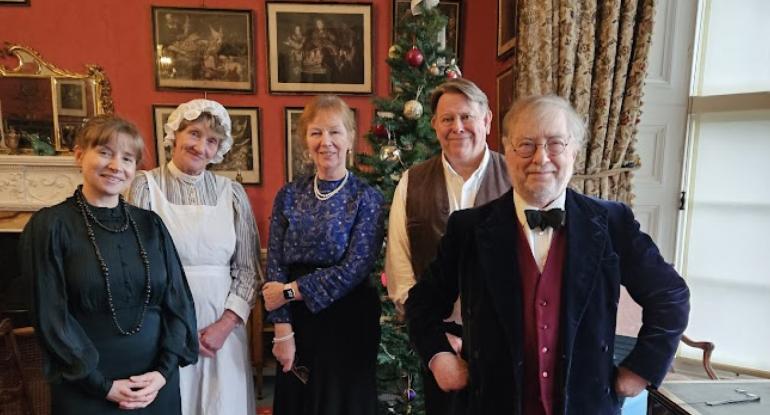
column 593, row 53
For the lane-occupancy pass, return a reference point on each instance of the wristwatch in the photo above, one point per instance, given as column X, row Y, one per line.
column 288, row 292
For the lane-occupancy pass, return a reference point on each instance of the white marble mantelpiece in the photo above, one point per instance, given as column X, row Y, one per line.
column 28, row 182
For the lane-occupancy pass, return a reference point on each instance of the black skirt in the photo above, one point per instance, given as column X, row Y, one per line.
column 337, row 349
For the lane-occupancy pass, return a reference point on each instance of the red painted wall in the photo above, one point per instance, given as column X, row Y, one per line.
column 118, row 36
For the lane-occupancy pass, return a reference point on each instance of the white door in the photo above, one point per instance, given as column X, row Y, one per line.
column 661, row 136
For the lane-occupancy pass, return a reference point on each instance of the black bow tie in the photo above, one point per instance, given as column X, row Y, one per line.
column 545, row 218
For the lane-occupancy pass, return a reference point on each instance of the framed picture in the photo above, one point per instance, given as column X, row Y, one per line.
column 67, row 132
column 243, row 158
column 506, row 26
column 314, row 47
column 71, row 97
column 14, row 2
column 504, row 98
column 452, row 9
column 298, row 162
column 207, row 49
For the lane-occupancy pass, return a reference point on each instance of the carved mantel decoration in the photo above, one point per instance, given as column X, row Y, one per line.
column 41, row 109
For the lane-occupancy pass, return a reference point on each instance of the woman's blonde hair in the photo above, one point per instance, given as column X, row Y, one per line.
column 101, row 129
column 330, row 103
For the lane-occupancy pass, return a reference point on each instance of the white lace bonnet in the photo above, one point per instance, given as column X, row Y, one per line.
column 190, row 111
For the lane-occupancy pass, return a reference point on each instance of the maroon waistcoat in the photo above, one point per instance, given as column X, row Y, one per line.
column 541, row 302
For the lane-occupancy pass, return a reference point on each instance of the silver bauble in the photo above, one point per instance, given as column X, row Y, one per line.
column 413, row 109
column 390, row 152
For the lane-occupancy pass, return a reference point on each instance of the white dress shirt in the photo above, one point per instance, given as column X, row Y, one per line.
column 398, row 266
column 539, row 239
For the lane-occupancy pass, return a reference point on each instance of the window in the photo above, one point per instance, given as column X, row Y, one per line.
column 724, row 251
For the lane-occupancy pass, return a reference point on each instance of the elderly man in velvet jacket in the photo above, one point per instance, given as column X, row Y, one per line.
column 538, row 272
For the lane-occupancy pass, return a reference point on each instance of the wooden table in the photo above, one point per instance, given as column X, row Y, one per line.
column 689, row 397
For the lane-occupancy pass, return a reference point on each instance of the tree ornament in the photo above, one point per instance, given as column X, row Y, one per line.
column 413, row 109
column 427, row 4
column 410, row 394
column 394, row 52
column 380, row 130
column 453, row 71
column 414, row 57
column 434, row 70
column 390, row 153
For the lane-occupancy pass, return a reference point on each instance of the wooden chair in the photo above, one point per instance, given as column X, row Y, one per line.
column 708, row 348
column 14, row 387
column 256, row 340
column 257, row 328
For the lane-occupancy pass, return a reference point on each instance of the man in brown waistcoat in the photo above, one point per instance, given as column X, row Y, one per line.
column 538, row 273
column 465, row 174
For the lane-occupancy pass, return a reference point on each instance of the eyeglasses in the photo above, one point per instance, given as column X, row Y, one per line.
column 553, row 147
column 449, row 120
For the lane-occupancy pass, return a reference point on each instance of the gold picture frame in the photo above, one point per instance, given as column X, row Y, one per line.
column 317, row 48
column 504, row 90
column 71, row 97
column 507, row 15
column 209, row 49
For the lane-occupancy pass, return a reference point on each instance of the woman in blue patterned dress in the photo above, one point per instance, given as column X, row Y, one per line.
column 326, row 233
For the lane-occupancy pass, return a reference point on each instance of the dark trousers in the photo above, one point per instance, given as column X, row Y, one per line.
column 437, row 402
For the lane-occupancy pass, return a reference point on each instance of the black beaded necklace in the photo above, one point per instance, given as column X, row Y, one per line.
column 87, row 214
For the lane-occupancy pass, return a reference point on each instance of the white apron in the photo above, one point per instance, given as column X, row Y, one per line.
column 204, row 237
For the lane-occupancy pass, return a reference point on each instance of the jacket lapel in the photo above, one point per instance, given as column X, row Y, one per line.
column 586, row 238
column 496, row 242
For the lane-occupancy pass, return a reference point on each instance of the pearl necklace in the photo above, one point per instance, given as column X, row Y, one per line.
column 326, row 196
column 87, row 214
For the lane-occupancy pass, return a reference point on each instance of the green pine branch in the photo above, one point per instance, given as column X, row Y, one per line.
column 398, row 364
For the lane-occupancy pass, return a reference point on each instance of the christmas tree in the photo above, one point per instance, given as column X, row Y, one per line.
column 400, row 137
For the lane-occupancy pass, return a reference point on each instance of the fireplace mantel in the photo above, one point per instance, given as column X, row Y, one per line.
column 29, row 182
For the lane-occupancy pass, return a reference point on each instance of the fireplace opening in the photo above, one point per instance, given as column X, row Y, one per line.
column 15, row 292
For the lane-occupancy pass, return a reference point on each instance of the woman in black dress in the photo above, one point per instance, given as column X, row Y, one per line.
column 326, row 232
column 113, row 311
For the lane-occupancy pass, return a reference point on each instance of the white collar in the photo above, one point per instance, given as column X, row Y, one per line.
column 479, row 170
column 182, row 176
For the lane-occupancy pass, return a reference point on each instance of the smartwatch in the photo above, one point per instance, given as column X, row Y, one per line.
column 288, row 292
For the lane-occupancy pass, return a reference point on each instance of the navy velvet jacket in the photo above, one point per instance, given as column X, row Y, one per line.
column 605, row 249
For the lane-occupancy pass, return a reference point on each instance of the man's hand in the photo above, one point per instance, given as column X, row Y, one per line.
column 212, row 337
column 152, row 381
column 628, row 384
column 450, row 371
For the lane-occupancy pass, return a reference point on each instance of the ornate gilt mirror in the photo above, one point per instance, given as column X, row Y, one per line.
column 42, row 106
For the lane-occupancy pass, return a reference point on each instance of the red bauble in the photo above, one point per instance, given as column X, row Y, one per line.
column 380, row 130
column 450, row 74
column 414, row 57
